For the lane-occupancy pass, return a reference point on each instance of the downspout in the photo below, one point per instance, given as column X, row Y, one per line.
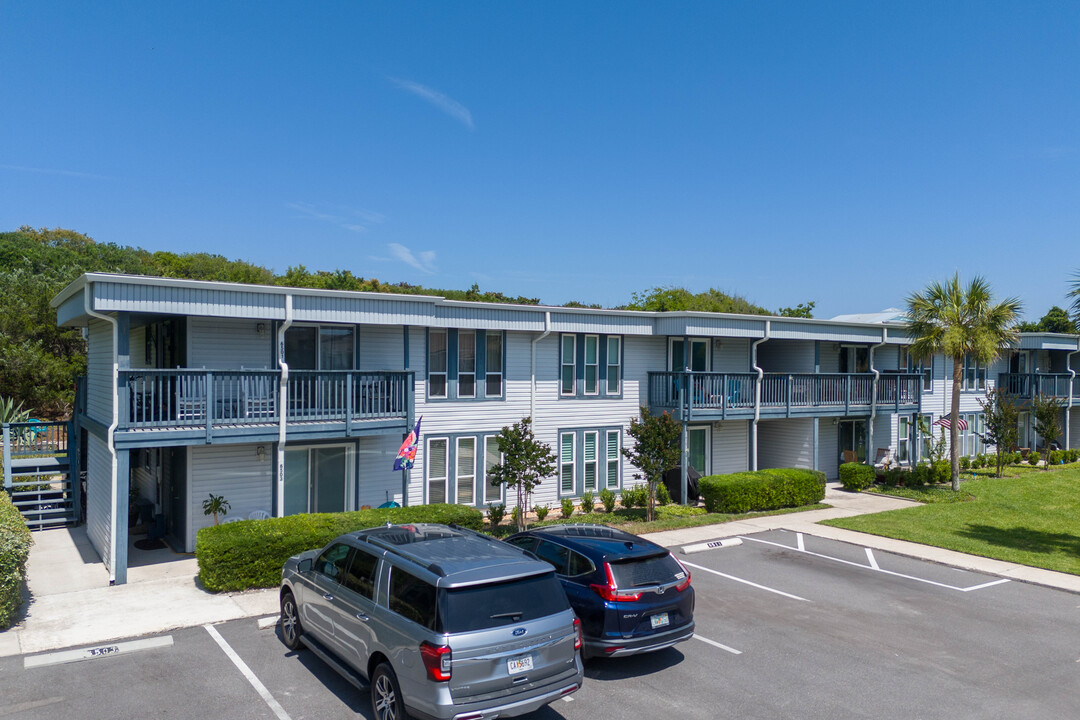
column 112, row 426
column 1072, row 382
column 532, row 367
column 283, row 407
column 757, row 391
column 873, row 391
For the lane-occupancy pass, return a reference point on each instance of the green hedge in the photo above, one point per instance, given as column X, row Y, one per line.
column 761, row 490
column 250, row 553
column 856, row 476
column 15, row 542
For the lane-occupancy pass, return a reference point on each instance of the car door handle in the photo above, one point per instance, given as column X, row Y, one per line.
column 362, row 617
column 328, row 596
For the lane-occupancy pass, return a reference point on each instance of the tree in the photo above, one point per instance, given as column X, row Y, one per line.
column 1000, row 416
column 1055, row 320
column 526, row 462
column 673, row 299
column 656, row 450
column 1047, row 411
column 956, row 321
column 802, row 310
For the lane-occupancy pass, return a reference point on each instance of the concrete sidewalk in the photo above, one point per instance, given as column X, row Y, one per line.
column 71, row 603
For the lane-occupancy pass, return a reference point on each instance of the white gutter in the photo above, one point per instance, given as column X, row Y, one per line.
column 532, row 367
column 283, row 406
column 1072, row 381
column 757, row 390
column 873, row 392
column 114, row 483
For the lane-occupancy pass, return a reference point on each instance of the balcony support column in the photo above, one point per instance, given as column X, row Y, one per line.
column 1069, row 404
column 873, row 394
column 283, row 408
column 757, row 395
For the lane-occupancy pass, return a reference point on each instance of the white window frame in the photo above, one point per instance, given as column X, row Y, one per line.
column 488, row 487
column 428, row 479
column 488, row 372
column 472, row 346
column 457, row 468
column 615, row 365
column 350, row 473
column 610, row 461
column 594, row 365
column 707, row 429
column 688, row 353
column 903, row 441
column 444, row 373
column 572, row 364
column 563, row 463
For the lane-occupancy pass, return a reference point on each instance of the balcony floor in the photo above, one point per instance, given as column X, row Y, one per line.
column 175, row 436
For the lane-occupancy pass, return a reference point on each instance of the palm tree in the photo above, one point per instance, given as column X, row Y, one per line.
column 1074, row 293
column 957, row 321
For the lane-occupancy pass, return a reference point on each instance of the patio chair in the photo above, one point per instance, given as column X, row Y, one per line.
column 258, row 515
column 849, row 456
column 232, row 519
column 883, row 459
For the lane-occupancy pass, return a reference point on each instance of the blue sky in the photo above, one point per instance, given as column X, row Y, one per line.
column 841, row 152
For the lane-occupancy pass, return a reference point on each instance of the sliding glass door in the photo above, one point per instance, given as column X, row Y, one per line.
column 317, row 479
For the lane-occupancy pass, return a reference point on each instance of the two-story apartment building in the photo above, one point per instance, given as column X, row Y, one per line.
column 288, row 400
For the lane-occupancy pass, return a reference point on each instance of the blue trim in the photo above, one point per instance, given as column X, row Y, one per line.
column 480, row 341
column 123, row 479
column 579, row 367
column 480, row 458
column 579, row 458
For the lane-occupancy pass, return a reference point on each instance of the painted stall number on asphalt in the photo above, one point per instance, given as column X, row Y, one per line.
column 67, row 656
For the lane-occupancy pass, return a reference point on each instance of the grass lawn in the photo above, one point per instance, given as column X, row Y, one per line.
column 1031, row 518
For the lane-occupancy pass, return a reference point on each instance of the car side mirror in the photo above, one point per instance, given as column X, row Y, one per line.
column 304, row 565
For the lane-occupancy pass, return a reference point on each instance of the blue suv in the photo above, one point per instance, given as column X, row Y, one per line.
column 632, row 595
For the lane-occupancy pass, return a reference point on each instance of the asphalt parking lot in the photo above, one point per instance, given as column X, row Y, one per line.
column 789, row 626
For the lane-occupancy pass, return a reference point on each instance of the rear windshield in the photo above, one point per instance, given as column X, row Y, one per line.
column 657, row 570
column 499, row 604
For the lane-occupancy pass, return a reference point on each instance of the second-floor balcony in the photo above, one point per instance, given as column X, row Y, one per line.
column 249, row 403
column 719, row 396
column 1028, row 385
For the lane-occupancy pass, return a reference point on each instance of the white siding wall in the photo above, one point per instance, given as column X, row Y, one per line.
column 375, row 463
column 789, row 356
column 786, row 443
column 382, row 347
column 227, row 344
column 232, row 471
column 99, row 363
column 1074, row 427
column 830, row 357
column 137, row 347
column 99, row 497
column 145, row 480
column 731, row 447
column 885, row 427
column 732, row 355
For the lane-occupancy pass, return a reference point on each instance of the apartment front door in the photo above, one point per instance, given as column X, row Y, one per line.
column 852, row 439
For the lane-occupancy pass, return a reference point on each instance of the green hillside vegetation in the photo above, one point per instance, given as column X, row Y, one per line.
column 38, row 360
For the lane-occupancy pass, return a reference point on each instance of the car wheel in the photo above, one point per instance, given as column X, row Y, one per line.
column 386, row 698
column 291, row 630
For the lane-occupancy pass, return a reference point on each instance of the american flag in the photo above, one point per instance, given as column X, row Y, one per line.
column 946, row 420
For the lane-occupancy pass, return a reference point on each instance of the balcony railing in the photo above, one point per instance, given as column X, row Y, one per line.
column 185, row 398
column 734, row 393
column 1028, row 385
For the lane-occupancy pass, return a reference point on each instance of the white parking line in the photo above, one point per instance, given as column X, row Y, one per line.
column 733, row 651
column 799, row 540
column 246, row 672
column 746, row 582
column 873, row 566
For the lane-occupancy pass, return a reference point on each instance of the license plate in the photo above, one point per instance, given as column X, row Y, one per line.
column 519, row 665
column 659, row 620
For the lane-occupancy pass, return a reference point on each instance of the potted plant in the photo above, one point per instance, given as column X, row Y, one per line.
column 215, row 505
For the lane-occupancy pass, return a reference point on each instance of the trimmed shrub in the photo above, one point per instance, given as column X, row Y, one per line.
column 588, row 502
column 249, row 554
column 965, row 463
column 541, row 512
column 663, row 497
column 15, row 542
column 1073, row 455
column 856, row 476
column 567, row 507
column 1057, row 457
column 895, row 476
column 1034, row 457
column 919, row 476
column 940, row 472
column 607, row 499
column 638, row 496
column 762, row 490
column 496, row 513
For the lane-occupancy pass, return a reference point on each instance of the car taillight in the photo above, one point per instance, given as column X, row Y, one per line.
column 685, row 583
column 436, row 660
column 577, row 634
column 610, row 592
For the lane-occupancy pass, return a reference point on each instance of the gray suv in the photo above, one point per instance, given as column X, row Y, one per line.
column 442, row 623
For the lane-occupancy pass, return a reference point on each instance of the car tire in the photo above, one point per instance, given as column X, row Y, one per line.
column 386, row 699
column 291, row 629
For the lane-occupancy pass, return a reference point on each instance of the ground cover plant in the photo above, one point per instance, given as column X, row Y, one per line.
column 1028, row 517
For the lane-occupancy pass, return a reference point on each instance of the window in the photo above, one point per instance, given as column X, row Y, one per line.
column 903, row 445
column 567, row 374
column 492, row 457
column 466, row 470
column 310, row 347
column 699, row 355
column 612, row 459
column 360, row 577
column 437, row 363
column 412, row 598
column 555, row 554
column 970, row 443
column 332, row 562
column 466, row 364
column 923, row 367
column 590, row 460
column 592, row 364
column 494, row 364
column 566, row 463
column 579, row 565
column 459, row 360
column 974, row 374
column 477, row 607
column 436, row 470
column 614, row 365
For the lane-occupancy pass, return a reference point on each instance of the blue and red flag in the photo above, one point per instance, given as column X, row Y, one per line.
column 406, row 456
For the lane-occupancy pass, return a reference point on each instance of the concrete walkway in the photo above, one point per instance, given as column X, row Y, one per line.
column 71, row 603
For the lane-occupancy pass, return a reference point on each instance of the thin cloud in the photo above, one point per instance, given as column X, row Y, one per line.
column 51, row 171
column 343, row 217
column 443, row 102
column 424, row 261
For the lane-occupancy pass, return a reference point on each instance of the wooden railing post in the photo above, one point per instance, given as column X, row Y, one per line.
column 209, row 406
